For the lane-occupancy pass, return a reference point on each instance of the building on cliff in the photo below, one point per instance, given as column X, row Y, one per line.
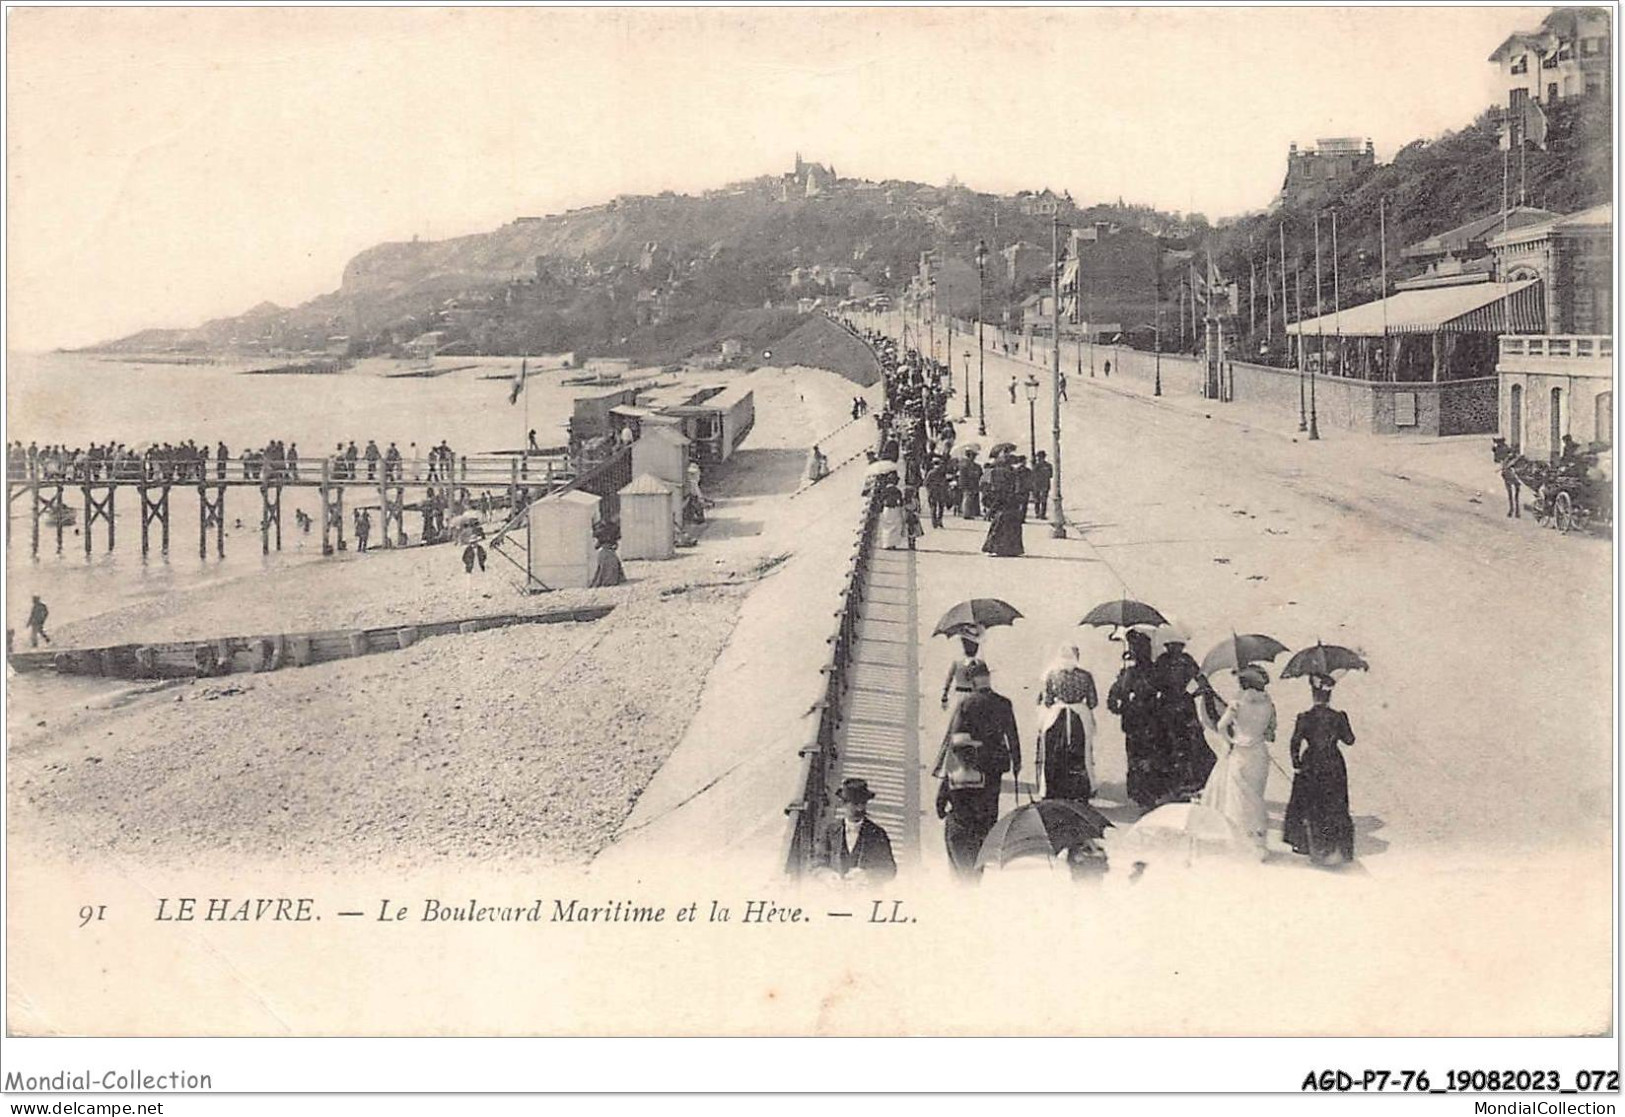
column 1329, row 166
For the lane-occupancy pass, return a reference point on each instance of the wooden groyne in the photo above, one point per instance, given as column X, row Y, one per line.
column 323, row 366
column 229, row 655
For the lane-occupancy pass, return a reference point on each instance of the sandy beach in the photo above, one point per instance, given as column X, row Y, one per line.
column 530, row 744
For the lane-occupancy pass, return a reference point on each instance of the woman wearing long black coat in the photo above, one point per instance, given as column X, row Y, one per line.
column 1133, row 697
column 1317, row 822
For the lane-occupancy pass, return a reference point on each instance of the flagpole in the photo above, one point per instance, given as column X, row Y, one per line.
column 1283, row 290
column 1320, row 329
column 1382, row 220
column 1337, row 298
column 1506, row 302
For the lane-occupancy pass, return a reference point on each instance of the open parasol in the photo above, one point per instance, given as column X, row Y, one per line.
column 1122, row 613
column 1041, row 829
column 1182, row 833
column 880, row 468
column 1323, row 659
column 1236, row 652
column 976, row 614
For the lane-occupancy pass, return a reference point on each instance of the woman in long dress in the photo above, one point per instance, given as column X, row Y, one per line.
column 1235, row 787
column 1004, row 533
column 1318, row 823
column 1066, row 750
column 958, row 683
column 890, row 526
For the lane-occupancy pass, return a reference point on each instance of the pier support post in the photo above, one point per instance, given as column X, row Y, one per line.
column 270, row 516
column 211, row 513
column 59, row 506
column 34, row 504
column 99, row 510
column 327, row 515
column 153, row 508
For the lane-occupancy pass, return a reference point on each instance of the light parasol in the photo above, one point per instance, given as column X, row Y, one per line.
column 1236, row 652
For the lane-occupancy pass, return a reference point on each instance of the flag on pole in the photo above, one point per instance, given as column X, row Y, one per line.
column 518, row 383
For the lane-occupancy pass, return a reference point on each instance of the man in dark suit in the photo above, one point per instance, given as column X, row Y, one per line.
column 985, row 740
column 853, row 847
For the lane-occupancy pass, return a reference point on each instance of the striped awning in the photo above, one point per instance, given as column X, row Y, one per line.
column 1489, row 308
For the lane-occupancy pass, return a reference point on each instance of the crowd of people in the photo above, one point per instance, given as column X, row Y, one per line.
column 189, row 463
column 916, row 437
column 1183, row 741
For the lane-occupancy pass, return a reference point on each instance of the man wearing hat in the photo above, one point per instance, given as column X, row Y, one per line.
column 854, row 847
column 984, row 743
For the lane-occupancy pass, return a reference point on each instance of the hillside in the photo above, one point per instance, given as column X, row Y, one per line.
column 1429, row 187
column 669, row 276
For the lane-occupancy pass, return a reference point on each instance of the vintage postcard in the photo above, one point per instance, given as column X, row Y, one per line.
column 811, row 522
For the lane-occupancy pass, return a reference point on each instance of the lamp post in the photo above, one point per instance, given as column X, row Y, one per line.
column 967, row 384
column 1297, row 291
column 981, row 347
column 1157, row 328
column 1032, row 386
column 1058, row 524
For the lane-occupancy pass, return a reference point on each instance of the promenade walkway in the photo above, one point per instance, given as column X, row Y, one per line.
column 879, row 739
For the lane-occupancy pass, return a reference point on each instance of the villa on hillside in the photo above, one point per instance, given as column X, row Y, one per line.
column 1567, row 56
column 1330, row 164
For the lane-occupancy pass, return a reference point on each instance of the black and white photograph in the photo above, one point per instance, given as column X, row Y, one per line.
column 811, row 522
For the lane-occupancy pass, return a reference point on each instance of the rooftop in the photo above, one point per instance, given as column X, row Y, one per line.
column 1459, row 308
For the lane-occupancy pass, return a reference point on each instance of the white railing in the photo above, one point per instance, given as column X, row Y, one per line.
column 1556, row 345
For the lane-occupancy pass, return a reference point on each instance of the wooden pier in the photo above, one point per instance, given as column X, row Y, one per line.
column 441, row 490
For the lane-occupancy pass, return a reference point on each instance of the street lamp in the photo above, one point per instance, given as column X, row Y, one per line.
column 1157, row 318
column 967, row 384
column 981, row 346
column 1032, row 386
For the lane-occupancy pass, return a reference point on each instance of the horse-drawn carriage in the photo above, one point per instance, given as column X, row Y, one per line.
column 1572, row 492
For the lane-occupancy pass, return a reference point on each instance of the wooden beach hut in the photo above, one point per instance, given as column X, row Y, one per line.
column 662, row 451
column 562, row 548
column 648, row 518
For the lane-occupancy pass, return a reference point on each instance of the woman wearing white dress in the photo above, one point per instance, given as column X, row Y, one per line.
column 1235, row 788
column 1066, row 753
column 890, row 528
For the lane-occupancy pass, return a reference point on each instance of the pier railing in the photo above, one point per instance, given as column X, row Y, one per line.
column 470, row 469
column 820, row 759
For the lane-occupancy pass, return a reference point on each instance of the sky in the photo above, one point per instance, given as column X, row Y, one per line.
column 165, row 166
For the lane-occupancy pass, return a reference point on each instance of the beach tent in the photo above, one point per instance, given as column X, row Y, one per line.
column 562, row 548
column 648, row 517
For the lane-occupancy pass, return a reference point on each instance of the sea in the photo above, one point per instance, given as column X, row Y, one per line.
column 76, row 399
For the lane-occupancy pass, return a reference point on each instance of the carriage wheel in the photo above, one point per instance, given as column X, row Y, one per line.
column 1563, row 512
